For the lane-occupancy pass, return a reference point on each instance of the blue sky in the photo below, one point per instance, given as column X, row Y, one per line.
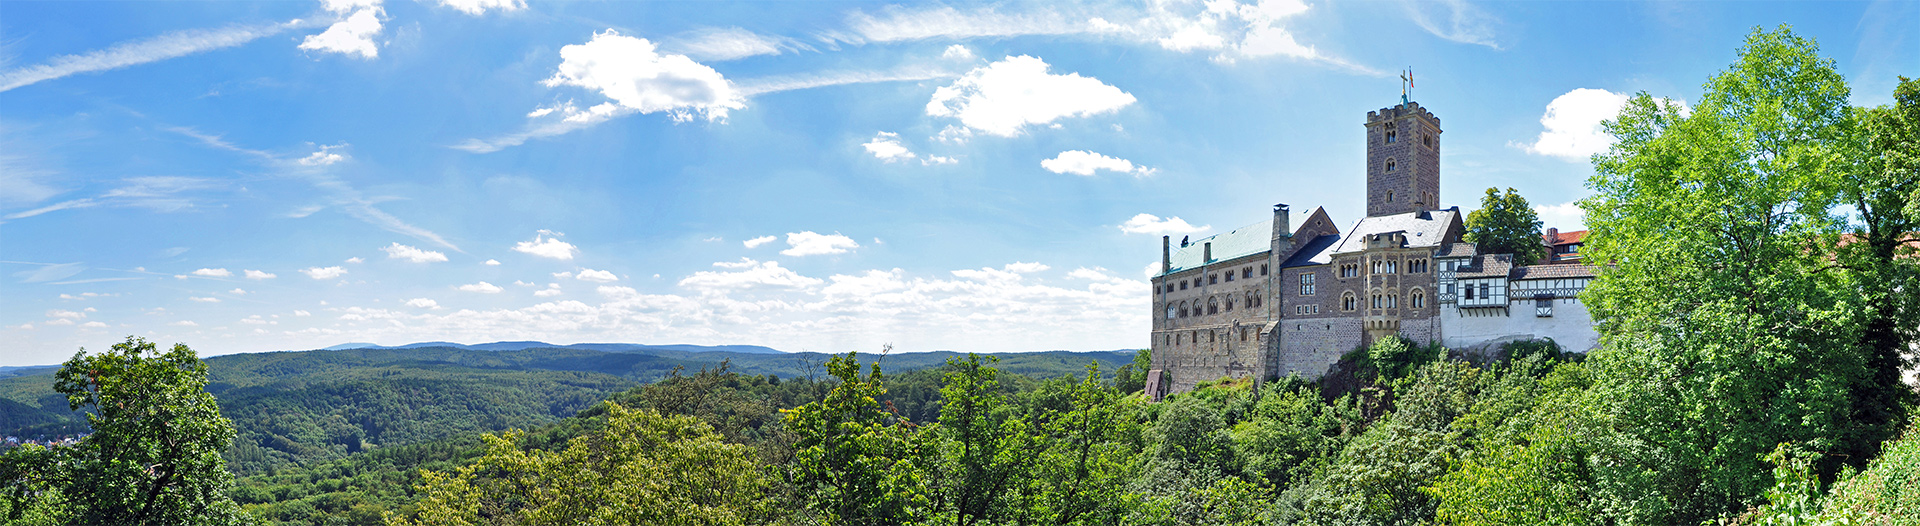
column 825, row 176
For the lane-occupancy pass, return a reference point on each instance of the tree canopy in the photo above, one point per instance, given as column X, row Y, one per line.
column 1506, row 224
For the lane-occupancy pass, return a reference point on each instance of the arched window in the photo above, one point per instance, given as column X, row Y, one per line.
column 1390, row 166
column 1419, row 299
column 1229, row 304
column 1243, row 334
column 1213, row 306
column 1376, row 300
column 1183, row 309
column 1348, row 302
column 1393, row 301
column 1427, row 140
column 1169, row 311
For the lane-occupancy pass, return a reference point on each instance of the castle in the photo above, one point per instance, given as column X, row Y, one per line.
column 1272, row 299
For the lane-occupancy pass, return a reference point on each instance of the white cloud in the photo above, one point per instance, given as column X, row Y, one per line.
column 809, row 243
column 553, row 289
column 1081, row 162
column 259, row 274
column 936, row 159
column 522, row 283
column 752, row 275
column 480, row 7
column 886, row 147
column 324, row 272
column 1455, row 20
column 1019, row 267
column 958, row 52
column 1572, row 123
column 634, row 74
column 756, row 242
column 1226, row 29
column 57, row 313
column 1003, row 97
column 481, row 287
column 597, row 276
column 399, row 251
column 184, row 323
column 301, row 313
column 62, row 321
column 94, row 325
column 166, row 46
column 1565, row 216
column 1151, row 224
column 730, row 44
column 324, row 156
column 352, row 34
column 491, row 263
column 547, row 247
column 213, row 272
column 954, row 134
column 205, row 299
column 237, row 291
column 423, row 303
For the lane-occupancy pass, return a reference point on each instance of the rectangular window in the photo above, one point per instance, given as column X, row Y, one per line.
column 1483, row 291
column 1263, row 269
column 1183, row 285
column 1229, row 277
column 1246, row 273
column 1213, row 279
column 1543, row 306
column 1306, row 284
column 1469, row 291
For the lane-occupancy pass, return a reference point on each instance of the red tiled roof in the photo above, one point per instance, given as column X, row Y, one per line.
column 1564, row 237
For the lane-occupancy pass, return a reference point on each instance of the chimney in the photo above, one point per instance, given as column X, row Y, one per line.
column 1207, row 252
column 1553, row 235
column 1282, row 224
column 1166, row 254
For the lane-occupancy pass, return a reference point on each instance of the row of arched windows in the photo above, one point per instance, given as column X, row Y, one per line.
column 1387, row 299
column 1214, row 306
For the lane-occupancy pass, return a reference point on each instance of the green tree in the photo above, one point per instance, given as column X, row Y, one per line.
column 1086, row 456
column 1506, row 224
column 641, row 468
column 1882, row 183
column 1723, row 337
column 1132, row 378
column 154, row 453
column 860, row 463
column 982, row 444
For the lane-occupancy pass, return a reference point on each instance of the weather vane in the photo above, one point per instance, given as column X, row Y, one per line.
column 1406, row 85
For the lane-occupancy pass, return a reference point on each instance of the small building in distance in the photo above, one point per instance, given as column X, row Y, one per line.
column 1274, row 298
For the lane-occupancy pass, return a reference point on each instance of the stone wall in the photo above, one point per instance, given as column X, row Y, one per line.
column 1309, row 345
column 1483, row 328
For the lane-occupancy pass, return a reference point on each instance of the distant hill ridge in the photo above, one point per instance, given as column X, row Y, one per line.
column 602, row 347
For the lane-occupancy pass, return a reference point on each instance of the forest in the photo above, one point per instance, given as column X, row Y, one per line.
column 1756, row 308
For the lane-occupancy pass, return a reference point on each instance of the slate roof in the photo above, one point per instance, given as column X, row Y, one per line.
column 1456, row 250
column 1553, row 272
column 1487, row 266
column 1429, row 232
column 1317, row 251
column 1240, row 242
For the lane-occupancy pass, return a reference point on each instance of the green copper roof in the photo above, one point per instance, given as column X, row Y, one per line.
column 1244, row 241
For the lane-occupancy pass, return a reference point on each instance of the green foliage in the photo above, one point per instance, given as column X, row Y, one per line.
column 1724, row 337
column 1289, row 435
column 857, row 461
column 153, row 456
column 1506, row 224
column 640, row 468
column 1132, row 377
column 1888, row 491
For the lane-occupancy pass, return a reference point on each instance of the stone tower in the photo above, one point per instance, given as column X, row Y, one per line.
column 1403, row 160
